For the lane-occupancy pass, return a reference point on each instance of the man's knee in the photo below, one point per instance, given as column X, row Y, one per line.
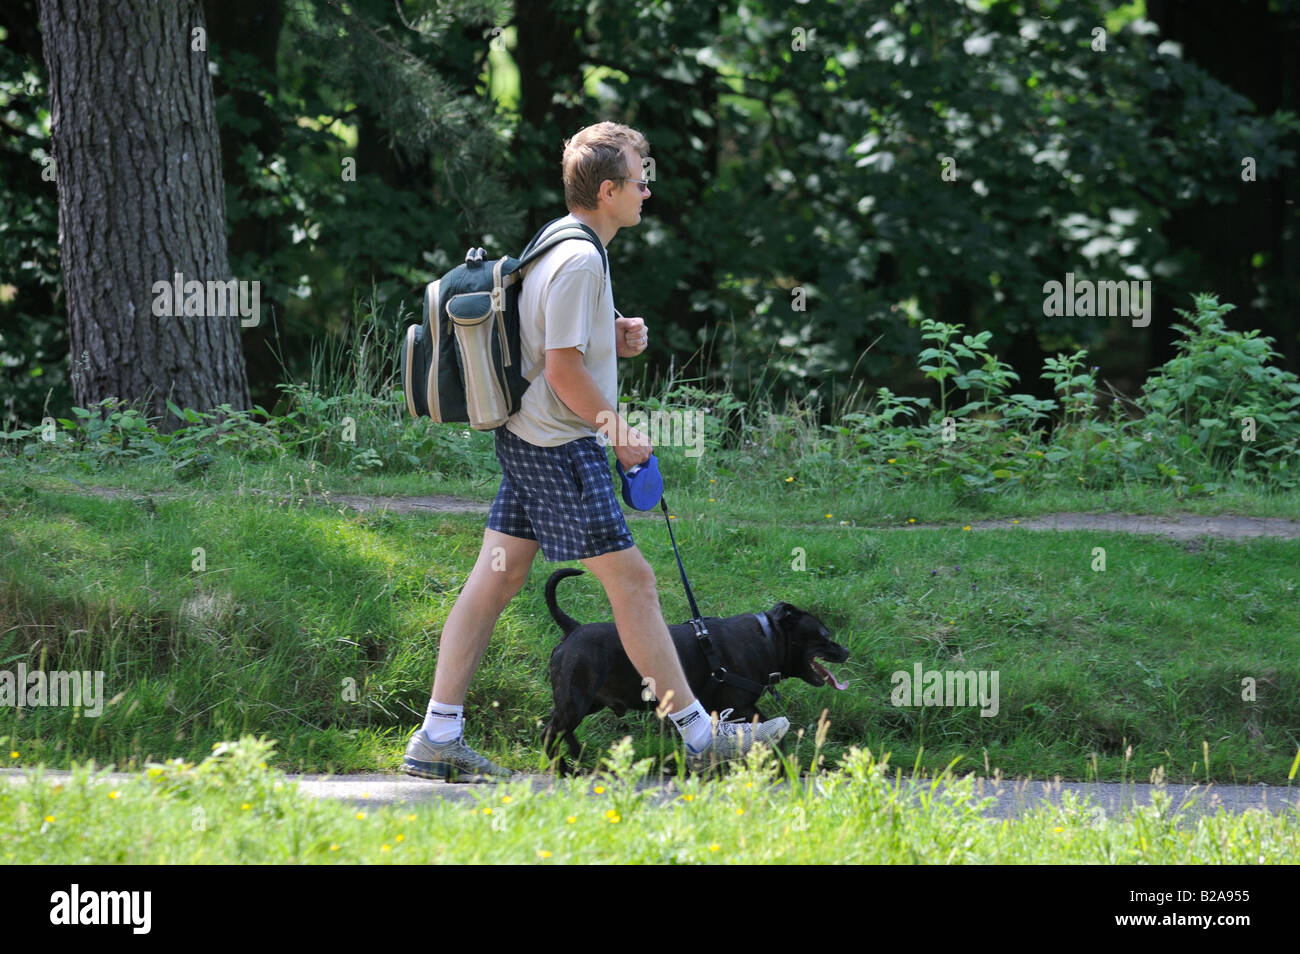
column 625, row 573
column 504, row 565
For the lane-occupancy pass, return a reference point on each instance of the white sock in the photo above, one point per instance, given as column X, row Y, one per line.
column 443, row 723
column 694, row 725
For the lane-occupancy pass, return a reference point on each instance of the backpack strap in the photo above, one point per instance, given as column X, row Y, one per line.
column 549, row 237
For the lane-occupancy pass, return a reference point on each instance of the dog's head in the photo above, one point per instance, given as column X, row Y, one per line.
column 807, row 640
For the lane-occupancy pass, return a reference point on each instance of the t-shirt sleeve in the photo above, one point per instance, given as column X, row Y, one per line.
column 571, row 301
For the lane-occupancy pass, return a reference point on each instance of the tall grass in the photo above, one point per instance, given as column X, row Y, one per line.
column 230, row 808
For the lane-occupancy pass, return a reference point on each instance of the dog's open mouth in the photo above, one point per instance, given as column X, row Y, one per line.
column 826, row 675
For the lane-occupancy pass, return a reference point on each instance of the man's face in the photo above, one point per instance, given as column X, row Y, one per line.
column 628, row 196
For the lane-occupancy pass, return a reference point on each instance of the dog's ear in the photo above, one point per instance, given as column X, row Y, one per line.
column 780, row 611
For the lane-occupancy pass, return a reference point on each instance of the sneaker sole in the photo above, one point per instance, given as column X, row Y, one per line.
column 445, row 772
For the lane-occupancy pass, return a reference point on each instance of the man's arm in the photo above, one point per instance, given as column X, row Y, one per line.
column 574, row 385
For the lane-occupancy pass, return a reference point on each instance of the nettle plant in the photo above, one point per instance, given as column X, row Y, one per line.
column 1219, row 406
column 1216, row 410
column 978, row 436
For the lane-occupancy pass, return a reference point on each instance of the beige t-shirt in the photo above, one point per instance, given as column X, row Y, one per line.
column 566, row 302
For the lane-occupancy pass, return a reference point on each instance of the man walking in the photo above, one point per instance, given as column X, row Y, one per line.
column 556, row 491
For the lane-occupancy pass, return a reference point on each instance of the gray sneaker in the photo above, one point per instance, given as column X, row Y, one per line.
column 732, row 739
column 448, row 760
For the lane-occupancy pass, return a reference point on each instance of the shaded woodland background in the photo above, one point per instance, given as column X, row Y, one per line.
column 798, row 147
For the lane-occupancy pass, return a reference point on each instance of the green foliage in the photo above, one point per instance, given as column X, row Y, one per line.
column 33, row 332
column 1199, row 400
column 231, row 809
column 1183, row 431
column 824, row 162
column 996, row 441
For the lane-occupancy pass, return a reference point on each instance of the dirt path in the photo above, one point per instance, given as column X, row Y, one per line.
column 1174, row 526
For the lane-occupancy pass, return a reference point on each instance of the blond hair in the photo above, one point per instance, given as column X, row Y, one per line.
column 593, row 155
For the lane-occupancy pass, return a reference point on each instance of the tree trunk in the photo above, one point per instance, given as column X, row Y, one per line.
column 141, row 199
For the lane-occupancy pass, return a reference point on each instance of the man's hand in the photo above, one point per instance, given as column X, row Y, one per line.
column 630, row 337
column 635, row 449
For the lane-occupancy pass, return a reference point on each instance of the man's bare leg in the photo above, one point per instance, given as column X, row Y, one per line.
column 629, row 583
column 469, row 626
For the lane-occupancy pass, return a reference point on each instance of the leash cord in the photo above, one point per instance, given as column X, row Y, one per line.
column 719, row 674
column 690, row 597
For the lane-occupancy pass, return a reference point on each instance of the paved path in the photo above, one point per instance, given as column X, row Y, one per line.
column 1012, row 798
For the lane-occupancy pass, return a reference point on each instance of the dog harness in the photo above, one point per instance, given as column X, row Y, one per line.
column 718, row 672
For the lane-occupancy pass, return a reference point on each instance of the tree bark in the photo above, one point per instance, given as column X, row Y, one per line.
column 141, row 199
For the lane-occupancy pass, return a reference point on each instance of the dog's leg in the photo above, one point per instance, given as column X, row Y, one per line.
column 551, row 736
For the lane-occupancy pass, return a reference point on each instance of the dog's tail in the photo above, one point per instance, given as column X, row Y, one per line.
column 565, row 621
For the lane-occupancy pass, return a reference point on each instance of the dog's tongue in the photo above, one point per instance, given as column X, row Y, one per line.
column 828, row 676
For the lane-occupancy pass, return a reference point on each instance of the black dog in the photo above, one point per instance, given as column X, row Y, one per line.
column 590, row 670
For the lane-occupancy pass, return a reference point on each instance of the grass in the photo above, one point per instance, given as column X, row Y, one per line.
column 318, row 626
column 231, row 808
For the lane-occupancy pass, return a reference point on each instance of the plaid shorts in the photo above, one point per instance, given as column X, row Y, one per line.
column 562, row 497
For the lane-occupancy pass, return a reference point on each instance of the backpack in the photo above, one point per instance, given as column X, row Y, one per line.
column 461, row 362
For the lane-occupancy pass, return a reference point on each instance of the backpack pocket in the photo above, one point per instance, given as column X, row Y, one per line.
column 474, row 319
